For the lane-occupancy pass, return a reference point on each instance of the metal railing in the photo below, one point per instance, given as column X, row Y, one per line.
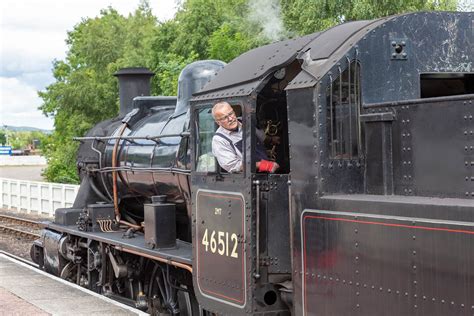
column 33, row 196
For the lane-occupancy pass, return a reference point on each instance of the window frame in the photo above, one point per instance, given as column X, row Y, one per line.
column 354, row 79
column 196, row 143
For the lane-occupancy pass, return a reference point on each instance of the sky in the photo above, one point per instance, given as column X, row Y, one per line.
column 32, row 35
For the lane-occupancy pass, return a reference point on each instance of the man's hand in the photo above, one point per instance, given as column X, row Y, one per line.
column 267, row 166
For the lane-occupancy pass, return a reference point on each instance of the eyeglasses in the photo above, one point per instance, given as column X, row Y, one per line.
column 226, row 117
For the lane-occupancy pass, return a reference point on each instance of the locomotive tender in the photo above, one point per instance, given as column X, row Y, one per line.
column 370, row 213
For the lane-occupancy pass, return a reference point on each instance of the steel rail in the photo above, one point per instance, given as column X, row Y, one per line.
column 21, row 221
column 19, row 232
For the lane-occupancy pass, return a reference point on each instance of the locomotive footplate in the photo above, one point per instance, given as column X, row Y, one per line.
column 182, row 253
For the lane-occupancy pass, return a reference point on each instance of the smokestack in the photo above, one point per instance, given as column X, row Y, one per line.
column 133, row 82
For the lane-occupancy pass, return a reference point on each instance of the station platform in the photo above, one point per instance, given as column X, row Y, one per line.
column 25, row 290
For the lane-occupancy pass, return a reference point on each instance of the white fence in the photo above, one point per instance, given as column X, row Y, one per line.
column 38, row 197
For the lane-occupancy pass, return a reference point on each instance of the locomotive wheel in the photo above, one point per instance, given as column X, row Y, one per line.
column 187, row 305
column 69, row 271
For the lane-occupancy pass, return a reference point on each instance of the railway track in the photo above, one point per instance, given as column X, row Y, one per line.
column 20, row 227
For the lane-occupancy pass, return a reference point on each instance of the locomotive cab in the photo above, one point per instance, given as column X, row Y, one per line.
column 242, row 232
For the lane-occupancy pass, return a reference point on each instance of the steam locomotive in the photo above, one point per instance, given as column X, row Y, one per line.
column 370, row 213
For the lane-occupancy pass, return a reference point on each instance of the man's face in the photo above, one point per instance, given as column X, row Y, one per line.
column 225, row 117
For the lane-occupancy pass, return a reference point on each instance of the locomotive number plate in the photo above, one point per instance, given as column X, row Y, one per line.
column 219, row 240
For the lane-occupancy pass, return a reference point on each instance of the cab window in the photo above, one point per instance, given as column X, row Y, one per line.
column 205, row 160
column 205, row 130
column 343, row 100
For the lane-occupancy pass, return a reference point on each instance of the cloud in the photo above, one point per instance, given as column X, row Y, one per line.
column 19, row 105
column 10, row 89
column 32, row 35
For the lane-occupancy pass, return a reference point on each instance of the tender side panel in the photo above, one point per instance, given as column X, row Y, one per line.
column 220, row 235
column 363, row 264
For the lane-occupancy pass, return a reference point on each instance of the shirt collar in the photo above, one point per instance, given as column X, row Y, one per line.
column 229, row 132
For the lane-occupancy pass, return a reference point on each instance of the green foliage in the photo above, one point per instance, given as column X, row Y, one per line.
column 22, row 139
column 309, row 16
column 85, row 91
column 3, row 138
column 227, row 42
column 201, row 21
column 168, row 70
column 61, row 158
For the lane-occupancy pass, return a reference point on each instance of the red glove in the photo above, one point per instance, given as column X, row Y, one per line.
column 267, row 166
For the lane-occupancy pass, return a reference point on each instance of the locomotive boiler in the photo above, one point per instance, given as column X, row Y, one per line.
column 370, row 213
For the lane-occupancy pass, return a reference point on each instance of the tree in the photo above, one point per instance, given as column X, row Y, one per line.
column 309, row 16
column 85, row 91
column 228, row 42
column 3, row 138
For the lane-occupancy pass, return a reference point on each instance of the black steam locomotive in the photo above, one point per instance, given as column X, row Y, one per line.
column 370, row 213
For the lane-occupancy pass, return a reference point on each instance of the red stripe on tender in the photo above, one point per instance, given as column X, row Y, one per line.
column 393, row 225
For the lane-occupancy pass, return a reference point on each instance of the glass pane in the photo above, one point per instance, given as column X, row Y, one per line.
column 206, row 128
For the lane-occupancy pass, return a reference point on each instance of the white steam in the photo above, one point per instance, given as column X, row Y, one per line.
column 267, row 14
column 465, row 6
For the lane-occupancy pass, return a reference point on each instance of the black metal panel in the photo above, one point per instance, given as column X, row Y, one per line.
column 159, row 215
column 415, row 268
column 257, row 63
column 378, row 176
column 220, row 235
column 304, row 170
column 432, row 155
column 324, row 45
column 435, row 42
column 277, row 230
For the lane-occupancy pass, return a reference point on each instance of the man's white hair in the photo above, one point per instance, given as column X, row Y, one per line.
column 217, row 106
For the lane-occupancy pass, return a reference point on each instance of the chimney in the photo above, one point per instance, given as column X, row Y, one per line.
column 133, row 82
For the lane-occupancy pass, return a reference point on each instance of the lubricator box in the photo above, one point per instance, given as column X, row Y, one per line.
column 100, row 216
column 160, row 223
